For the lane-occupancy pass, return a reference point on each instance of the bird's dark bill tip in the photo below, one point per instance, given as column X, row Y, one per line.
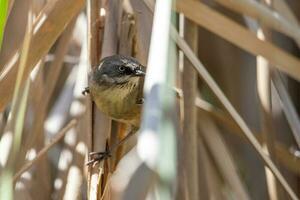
column 86, row 91
column 139, row 73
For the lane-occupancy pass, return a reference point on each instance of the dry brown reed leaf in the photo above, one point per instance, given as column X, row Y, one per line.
column 46, row 92
column 43, row 152
column 284, row 9
column 264, row 15
column 18, row 107
column 222, row 157
column 214, row 180
column 107, row 193
column 285, row 157
column 232, row 111
column 11, row 4
column 45, row 34
column 239, row 36
column 288, row 106
column 57, row 64
column 14, row 31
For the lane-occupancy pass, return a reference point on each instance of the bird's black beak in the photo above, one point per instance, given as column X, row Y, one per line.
column 139, row 72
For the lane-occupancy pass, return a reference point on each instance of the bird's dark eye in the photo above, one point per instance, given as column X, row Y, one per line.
column 121, row 68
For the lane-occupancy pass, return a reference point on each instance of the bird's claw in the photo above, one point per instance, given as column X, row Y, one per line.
column 140, row 101
column 86, row 91
column 98, row 156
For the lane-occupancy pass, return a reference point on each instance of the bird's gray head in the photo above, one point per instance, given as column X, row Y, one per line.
column 117, row 70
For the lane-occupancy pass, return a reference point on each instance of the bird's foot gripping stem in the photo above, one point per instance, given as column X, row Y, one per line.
column 98, row 156
column 86, row 91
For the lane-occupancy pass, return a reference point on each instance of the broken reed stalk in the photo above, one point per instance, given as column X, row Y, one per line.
column 106, row 45
column 94, row 49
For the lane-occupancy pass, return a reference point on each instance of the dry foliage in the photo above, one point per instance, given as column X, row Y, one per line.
column 232, row 132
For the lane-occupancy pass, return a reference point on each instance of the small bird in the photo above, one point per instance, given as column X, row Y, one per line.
column 116, row 88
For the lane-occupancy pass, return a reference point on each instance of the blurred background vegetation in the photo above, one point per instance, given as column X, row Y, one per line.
column 232, row 132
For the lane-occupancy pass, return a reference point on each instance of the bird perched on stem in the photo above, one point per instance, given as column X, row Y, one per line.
column 116, row 88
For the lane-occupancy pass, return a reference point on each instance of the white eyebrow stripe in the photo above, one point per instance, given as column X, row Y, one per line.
column 131, row 65
column 100, row 65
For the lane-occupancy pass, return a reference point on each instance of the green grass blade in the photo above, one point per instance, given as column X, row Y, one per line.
column 3, row 13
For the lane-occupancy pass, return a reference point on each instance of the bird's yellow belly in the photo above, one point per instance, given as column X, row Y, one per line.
column 119, row 105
